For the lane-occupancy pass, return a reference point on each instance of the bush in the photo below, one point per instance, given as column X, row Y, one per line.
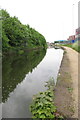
column 76, row 46
column 16, row 35
column 43, row 105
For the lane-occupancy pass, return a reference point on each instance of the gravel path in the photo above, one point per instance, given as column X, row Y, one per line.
column 73, row 61
column 66, row 91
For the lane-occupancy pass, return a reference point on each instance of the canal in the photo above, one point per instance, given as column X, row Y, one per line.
column 24, row 76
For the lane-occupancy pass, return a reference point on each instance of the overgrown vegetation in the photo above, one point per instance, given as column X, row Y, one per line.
column 75, row 46
column 16, row 36
column 43, row 105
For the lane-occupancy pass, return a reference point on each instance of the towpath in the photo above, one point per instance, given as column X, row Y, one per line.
column 73, row 61
column 66, row 93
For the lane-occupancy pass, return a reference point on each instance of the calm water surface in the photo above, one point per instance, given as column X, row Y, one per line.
column 25, row 76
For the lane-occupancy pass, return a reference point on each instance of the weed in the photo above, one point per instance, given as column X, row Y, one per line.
column 70, row 89
column 43, row 105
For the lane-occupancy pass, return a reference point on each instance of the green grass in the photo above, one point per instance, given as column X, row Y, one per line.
column 75, row 46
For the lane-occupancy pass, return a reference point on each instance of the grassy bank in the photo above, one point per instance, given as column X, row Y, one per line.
column 75, row 46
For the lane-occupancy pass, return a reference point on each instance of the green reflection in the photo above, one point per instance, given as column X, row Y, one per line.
column 16, row 67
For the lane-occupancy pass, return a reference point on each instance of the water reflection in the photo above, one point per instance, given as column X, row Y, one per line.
column 19, row 100
column 16, row 67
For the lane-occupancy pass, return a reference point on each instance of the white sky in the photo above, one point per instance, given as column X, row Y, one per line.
column 55, row 19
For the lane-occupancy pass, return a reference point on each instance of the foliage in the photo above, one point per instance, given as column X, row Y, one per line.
column 50, row 84
column 43, row 105
column 19, row 36
column 75, row 46
column 67, row 45
column 70, row 89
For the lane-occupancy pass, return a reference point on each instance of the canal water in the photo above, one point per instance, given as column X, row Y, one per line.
column 24, row 76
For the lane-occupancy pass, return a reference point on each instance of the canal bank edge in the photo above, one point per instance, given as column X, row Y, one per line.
column 65, row 98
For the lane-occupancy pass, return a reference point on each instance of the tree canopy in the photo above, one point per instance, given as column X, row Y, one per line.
column 15, row 35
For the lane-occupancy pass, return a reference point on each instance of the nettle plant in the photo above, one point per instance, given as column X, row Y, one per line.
column 43, row 105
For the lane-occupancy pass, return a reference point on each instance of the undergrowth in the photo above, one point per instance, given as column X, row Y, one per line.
column 43, row 105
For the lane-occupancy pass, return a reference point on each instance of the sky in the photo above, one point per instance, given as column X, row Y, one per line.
column 54, row 19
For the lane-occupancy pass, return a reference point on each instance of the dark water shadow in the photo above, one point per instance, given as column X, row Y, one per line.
column 16, row 67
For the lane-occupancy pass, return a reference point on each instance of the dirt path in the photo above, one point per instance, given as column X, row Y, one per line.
column 66, row 91
column 73, row 58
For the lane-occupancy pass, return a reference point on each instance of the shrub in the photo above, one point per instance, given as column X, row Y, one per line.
column 43, row 105
column 76, row 46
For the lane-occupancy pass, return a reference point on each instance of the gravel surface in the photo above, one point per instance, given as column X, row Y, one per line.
column 66, row 91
